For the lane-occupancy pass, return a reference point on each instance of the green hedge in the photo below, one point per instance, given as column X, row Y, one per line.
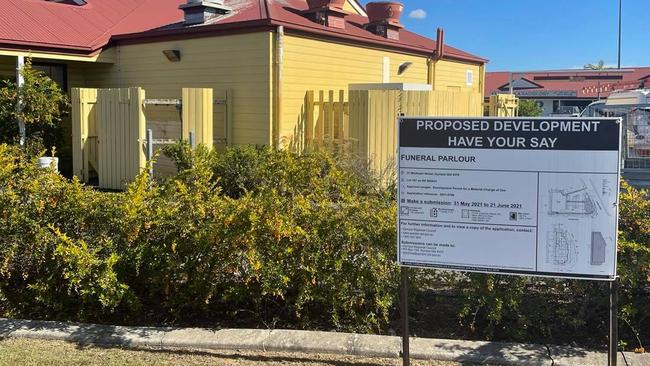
column 278, row 240
column 551, row 311
column 312, row 245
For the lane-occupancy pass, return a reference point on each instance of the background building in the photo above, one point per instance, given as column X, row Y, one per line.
column 556, row 91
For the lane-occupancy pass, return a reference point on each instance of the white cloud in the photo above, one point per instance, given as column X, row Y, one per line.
column 418, row 14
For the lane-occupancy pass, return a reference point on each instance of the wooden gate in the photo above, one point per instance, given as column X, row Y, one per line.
column 108, row 134
column 121, row 134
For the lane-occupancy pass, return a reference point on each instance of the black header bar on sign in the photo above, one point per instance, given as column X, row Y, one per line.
column 595, row 134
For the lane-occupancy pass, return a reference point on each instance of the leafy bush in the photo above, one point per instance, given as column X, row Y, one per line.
column 274, row 239
column 548, row 310
column 310, row 246
column 259, row 168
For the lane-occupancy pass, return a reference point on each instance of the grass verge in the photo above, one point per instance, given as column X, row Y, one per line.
column 40, row 353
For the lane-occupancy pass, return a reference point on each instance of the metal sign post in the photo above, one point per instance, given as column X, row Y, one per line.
column 404, row 307
column 150, row 151
column 192, row 140
column 613, row 323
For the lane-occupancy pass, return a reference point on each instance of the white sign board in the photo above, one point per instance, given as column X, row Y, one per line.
column 515, row 196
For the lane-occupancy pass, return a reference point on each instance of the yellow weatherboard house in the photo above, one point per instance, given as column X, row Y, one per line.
column 267, row 54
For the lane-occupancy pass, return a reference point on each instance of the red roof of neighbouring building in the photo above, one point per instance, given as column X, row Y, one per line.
column 87, row 28
column 585, row 84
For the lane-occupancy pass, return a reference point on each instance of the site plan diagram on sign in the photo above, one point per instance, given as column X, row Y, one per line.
column 573, row 207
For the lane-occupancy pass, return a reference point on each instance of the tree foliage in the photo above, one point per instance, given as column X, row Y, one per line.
column 529, row 108
column 600, row 65
column 42, row 105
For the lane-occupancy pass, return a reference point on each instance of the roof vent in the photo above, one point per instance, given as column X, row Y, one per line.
column 329, row 13
column 69, row 2
column 200, row 11
column 384, row 18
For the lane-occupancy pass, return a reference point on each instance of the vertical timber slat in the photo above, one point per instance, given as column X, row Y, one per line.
column 197, row 115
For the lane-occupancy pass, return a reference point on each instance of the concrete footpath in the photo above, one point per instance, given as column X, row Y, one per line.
column 311, row 342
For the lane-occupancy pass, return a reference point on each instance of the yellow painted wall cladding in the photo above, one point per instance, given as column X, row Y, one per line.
column 457, row 76
column 312, row 64
column 238, row 62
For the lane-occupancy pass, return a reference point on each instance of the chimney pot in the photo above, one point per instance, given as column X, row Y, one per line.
column 384, row 18
column 389, row 11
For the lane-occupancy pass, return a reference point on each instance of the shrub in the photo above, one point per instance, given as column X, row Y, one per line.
column 259, row 168
column 41, row 211
column 301, row 248
column 549, row 310
column 285, row 240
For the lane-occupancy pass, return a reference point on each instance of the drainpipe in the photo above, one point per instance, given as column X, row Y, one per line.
column 438, row 54
column 20, row 81
column 279, row 55
column 440, row 44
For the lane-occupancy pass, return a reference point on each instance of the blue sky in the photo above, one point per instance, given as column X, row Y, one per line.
column 536, row 34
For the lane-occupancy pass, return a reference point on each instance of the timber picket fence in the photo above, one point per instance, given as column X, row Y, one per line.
column 365, row 123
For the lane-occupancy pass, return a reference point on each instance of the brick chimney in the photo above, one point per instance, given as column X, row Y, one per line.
column 383, row 18
column 200, row 11
column 329, row 13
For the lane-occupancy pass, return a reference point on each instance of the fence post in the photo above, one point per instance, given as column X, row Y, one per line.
column 341, row 113
column 321, row 117
column 228, row 119
column 330, row 116
column 192, row 140
column 150, row 151
column 309, row 117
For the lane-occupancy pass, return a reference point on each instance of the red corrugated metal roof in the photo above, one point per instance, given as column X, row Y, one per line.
column 80, row 28
column 249, row 13
column 283, row 11
column 631, row 78
column 90, row 27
